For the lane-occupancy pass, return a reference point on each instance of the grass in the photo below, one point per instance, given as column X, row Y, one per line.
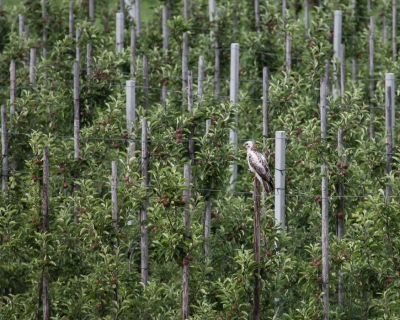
column 146, row 5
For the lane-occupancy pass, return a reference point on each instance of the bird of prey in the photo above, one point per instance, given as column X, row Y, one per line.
column 259, row 166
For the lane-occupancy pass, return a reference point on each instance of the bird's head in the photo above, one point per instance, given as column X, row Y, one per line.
column 249, row 144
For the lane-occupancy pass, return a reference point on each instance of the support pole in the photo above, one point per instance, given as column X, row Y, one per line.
column 389, row 124
column 233, row 95
column 146, row 82
column 120, row 32
column 394, row 28
column 78, row 48
column 12, row 86
column 337, row 40
column 257, row 14
column 32, row 65
column 76, row 90
column 265, row 106
column 71, row 19
column 256, row 248
column 186, row 10
column 340, row 219
column 280, row 173
column 185, row 262
column 325, row 204
column 144, row 243
column 44, row 17
column 185, row 53
column 114, row 216
column 306, row 17
column 45, row 227
column 4, row 147
column 130, row 115
column 288, row 54
column 342, row 72
column 371, row 76
column 21, row 24
column 200, row 80
column 91, row 12
column 133, row 51
column 89, row 59
column 138, row 24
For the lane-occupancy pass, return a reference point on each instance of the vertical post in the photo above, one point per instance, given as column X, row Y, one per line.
column 284, row 6
column 306, row 17
column 32, row 64
column 165, row 28
column 325, row 222
column 233, row 96
column 45, row 226
column 354, row 58
column 78, row 48
column 4, row 148
column 120, row 32
column 138, row 19
column 257, row 14
column 371, row 76
column 91, row 11
column 340, row 219
column 337, row 40
column 288, row 53
column 342, row 71
column 146, row 82
column 130, row 114
column 26, row 30
column 185, row 53
column 12, row 86
column 144, row 243
column 44, row 17
column 133, row 51
column 389, row 124
column 211, row 10
column 256, row 248
column 114, row 199
column 88, row 59
column 280, row 173
column 394, row 28
column 207, row 220
column 71, row 19
column 384, row 24
column 327, row 62
column 76, row 110
column 185, row 262
column 186, row 10
column 216, row 69
column 190, row 109
column 122, row 8
column 200, row 83
column 21, row 24
column 265, row 106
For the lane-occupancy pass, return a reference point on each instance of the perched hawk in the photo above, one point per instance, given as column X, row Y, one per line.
column 259, row 166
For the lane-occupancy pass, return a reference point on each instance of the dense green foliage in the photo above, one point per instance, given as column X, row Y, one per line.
column 79, row 252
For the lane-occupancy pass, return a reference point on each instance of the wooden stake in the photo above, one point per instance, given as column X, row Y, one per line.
column 133, row 51
column 340, row 220
column 325, row 222
column 389, row 124
column 186, row 10
column 78, row 48
column 288, row 54
column 394, row 28
column 185, row 262
column 44, row 16
column 265, row 106
column 217, row 56
column 21, row 24
column 233, row 95
column 185, row 53
column 257, row 231
column 337, row 40
column 130, row 114
column 120, row 32
column 371, row 76
column 280, row 173
column 306, row 17
column 76, row 138
column 327, row 63
column 114, row 198
column 342, row 72
column 284, row 6
column 88, row 59
column 32, row 65
column 4, row 147
column 12, row 86
column 45, row 226
column 146, row 82
column 200, row 83
column 122, row 8
column 190, row 109
column 91, row 12
column 144, row 243
column 71, row 20
column 257, row 14
column 138, row 19
column 384, row 24
column 76, row 90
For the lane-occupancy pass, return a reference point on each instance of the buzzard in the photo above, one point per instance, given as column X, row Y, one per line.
column 259, row 166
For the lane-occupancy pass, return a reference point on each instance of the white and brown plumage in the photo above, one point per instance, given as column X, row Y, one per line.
column 259, row 166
